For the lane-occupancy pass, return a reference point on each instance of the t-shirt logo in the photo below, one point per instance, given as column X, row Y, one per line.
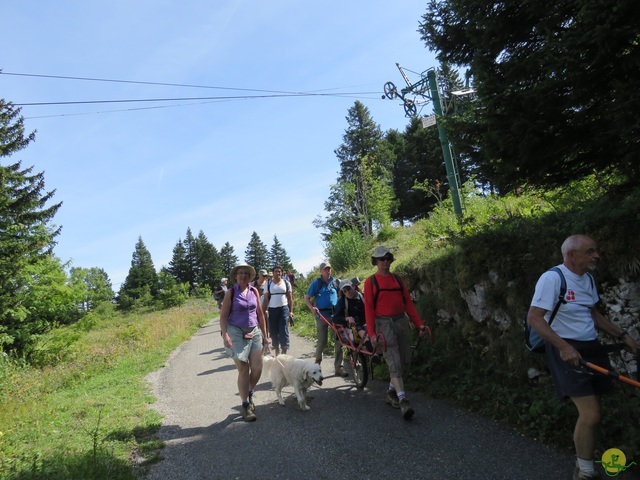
column 570, row 296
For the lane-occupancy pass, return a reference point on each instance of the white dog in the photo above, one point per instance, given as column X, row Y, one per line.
column 287, row 370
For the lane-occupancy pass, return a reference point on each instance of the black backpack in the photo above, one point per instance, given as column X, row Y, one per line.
column 376, row 289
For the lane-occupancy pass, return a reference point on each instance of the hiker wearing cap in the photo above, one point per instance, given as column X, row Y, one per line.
column 261, row 282
column 572, row 337
column 350, row 313
column 278, row 302
column 243, row 330
column 321, row 298
column 220, row 291
column 386, row 301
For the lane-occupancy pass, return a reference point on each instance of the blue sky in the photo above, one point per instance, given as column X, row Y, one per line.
column 228, row 167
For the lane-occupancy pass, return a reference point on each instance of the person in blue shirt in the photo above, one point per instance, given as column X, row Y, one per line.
column 322, row 298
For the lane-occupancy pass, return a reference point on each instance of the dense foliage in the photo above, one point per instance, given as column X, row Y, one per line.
column 556, row 97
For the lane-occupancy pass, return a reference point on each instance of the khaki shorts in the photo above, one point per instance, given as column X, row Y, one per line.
column 241, row 346
column 397, row 333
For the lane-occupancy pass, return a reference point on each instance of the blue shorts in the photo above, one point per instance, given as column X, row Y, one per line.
column 579, row 381
column 242, row 347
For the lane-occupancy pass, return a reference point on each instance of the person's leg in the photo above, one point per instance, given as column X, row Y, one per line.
column 323, row 334
column 284, row 329
column 338, row 357
column 243, row 379
column 584, row 434
column 273, row 329
column 255, row 367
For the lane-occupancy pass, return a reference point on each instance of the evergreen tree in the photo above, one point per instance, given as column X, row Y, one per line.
column 556, row 97
column 178, row 265
column 228, row 260
column 190, row 257
column 256, row 253
column 142, row 279
column 278, row 256
column 351, row 200
column 207, row 261
column 419, row 162
column 26, row 237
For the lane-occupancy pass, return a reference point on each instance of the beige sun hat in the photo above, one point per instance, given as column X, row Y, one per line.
column 252, row 271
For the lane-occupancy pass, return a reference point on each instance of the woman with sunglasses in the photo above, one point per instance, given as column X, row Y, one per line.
column 386, row 301
column 242, row 327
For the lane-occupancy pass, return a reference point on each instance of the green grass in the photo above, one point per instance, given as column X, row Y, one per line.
column 88, row 416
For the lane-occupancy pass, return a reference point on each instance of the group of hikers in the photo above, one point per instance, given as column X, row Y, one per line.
column 256, row 312
column 568, row 325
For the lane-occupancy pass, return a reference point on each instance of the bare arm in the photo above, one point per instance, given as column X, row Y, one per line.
column 309, row 303
column 602, row 323
column 224, row 317
column 262, row 323
column 535, row 317
column 290, row 301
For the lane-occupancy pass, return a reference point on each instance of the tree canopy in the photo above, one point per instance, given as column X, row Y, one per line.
column 26, row 235
column 555, row 81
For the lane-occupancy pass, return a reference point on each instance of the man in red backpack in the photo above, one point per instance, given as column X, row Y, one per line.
column 386, row 302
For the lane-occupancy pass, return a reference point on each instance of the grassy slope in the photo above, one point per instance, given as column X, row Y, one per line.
column 83, row 417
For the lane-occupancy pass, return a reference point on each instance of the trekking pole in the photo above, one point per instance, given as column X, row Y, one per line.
column 610, row 373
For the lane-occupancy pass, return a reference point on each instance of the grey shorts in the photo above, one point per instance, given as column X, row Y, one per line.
column 397, row 334
column 241, row 346
column 580, row 381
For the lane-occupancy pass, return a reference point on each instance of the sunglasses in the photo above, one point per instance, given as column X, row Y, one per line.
column 386, row 259
column 244, row 272
column 346, row 289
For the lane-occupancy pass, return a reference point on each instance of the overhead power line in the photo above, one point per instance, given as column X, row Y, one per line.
column 268, row 93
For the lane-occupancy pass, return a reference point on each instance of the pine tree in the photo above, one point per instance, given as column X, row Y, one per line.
column 142, row 279
column 207, row 262
column 228, row 260
column 278, row 256
column 364, row 167
column 178, row 266
column 26, row 236
column 256, row 253
column 556, row 93
column 190, row 259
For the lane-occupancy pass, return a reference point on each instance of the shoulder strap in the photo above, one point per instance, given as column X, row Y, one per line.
column 563, row 291
column 376, row 288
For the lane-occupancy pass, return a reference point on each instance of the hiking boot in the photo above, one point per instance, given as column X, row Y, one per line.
column 252, row 406
column 579, row 475
column 247, row 414
column 392, row 398
column 341, row 372
column 405, row 408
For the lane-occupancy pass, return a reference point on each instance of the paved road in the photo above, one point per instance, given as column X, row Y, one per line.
column 347, row 434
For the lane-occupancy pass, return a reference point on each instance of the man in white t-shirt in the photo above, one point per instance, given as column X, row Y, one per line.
column 572, row 336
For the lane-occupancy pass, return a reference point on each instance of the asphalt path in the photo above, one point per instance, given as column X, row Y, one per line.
column 347, row 434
